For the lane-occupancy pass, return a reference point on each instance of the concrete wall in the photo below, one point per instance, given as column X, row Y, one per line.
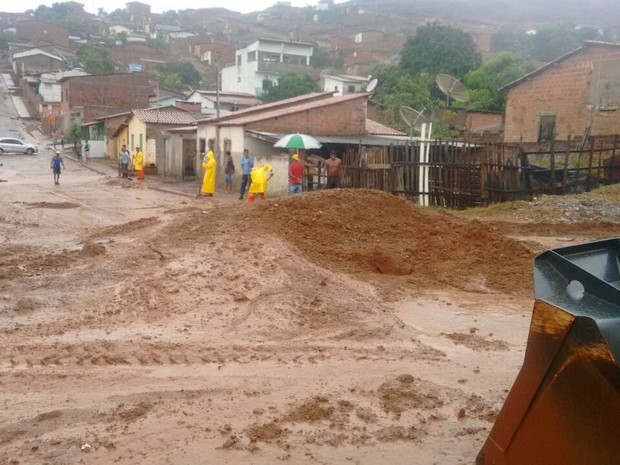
column 575, row 90
column 36, row 64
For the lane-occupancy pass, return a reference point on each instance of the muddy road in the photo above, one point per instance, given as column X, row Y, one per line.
column 140, row 326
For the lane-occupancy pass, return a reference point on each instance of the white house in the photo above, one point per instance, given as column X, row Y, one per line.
column 343, row 84
column 265, row 59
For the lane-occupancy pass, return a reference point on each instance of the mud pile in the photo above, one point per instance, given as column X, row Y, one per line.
column 367, row 231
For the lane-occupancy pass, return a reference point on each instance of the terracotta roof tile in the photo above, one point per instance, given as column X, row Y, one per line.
column 166, row 116
column 240, row 119
column 377, row 129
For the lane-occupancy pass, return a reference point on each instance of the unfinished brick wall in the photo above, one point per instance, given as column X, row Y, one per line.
column 573, row 90
column 345, row 118
column 101, row 95
column 41, row 32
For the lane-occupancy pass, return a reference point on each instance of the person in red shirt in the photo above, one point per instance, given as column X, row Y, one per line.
column 296, row 175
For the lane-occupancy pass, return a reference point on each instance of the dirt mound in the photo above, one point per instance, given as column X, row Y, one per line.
column 405, row 393
column 92, row 249
column 366, row 231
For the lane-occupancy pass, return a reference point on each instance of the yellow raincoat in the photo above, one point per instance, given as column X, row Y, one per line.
column 138, row 161
column 260, row 177
column 208, row 182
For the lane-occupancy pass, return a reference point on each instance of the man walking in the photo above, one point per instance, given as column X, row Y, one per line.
column 295, row 174
column 247, row 163
column 333, row 167
column 56, row 165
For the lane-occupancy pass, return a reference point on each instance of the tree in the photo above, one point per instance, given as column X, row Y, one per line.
column 74, row 132
column 436, row 48
column 170, row 17
column 95, row 59
column 396, row 89
column 484, row 83
column 178, row 74
column 289, row 85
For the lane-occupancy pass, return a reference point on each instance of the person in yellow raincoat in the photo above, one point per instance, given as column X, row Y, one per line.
column 138, row 163
column 208, row 182
column 260, row 177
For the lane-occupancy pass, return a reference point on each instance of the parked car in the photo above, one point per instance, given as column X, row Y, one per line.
column 12, row 145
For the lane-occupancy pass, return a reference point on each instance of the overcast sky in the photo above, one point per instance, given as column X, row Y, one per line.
column 157, row 6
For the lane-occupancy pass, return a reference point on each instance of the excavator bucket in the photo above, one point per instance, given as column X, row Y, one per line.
column 564, row 406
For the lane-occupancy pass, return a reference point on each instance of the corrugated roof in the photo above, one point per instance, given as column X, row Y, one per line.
column 36, row 51
column 167, row 116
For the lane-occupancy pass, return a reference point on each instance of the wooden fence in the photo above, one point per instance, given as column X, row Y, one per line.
column 462, row 174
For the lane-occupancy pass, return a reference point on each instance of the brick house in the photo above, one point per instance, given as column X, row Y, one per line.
column 135, row 54
column 41, row 33
column 84, row 98
column 577, row 93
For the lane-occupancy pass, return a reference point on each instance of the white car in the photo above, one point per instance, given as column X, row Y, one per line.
column 12, row 145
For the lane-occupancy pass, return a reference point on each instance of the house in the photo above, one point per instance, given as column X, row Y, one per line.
column 84, row 98
column 212, row 53
column 336, row 121
column 35, row 62
column 343, row 84
column 41, row 33
column 370, row 36
column 119, row 29
column 50, row 94
column 577, row 94
column 140, row 14
column 265, row 60
column 134, row 53
column 164, row 151
column 228, row 101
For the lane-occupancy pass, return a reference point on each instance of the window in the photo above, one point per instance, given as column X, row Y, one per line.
column 238, row 60
column 252, row 56
column 351, row 89
column 546, row 127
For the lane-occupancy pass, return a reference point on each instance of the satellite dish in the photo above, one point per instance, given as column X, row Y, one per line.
column 413, row 118
column 452, row 87
column 371, row 85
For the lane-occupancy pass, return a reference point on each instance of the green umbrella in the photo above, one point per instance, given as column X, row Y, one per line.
column 298, row 141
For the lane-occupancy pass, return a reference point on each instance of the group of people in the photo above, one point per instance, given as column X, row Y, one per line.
column 255, row 178
column 125, row 160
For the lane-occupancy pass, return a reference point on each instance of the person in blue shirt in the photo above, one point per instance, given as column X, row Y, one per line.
column 247, row 163
column 56, row 164
column 125, row 159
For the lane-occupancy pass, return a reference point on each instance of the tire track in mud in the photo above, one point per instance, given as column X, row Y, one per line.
column 101, row 353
